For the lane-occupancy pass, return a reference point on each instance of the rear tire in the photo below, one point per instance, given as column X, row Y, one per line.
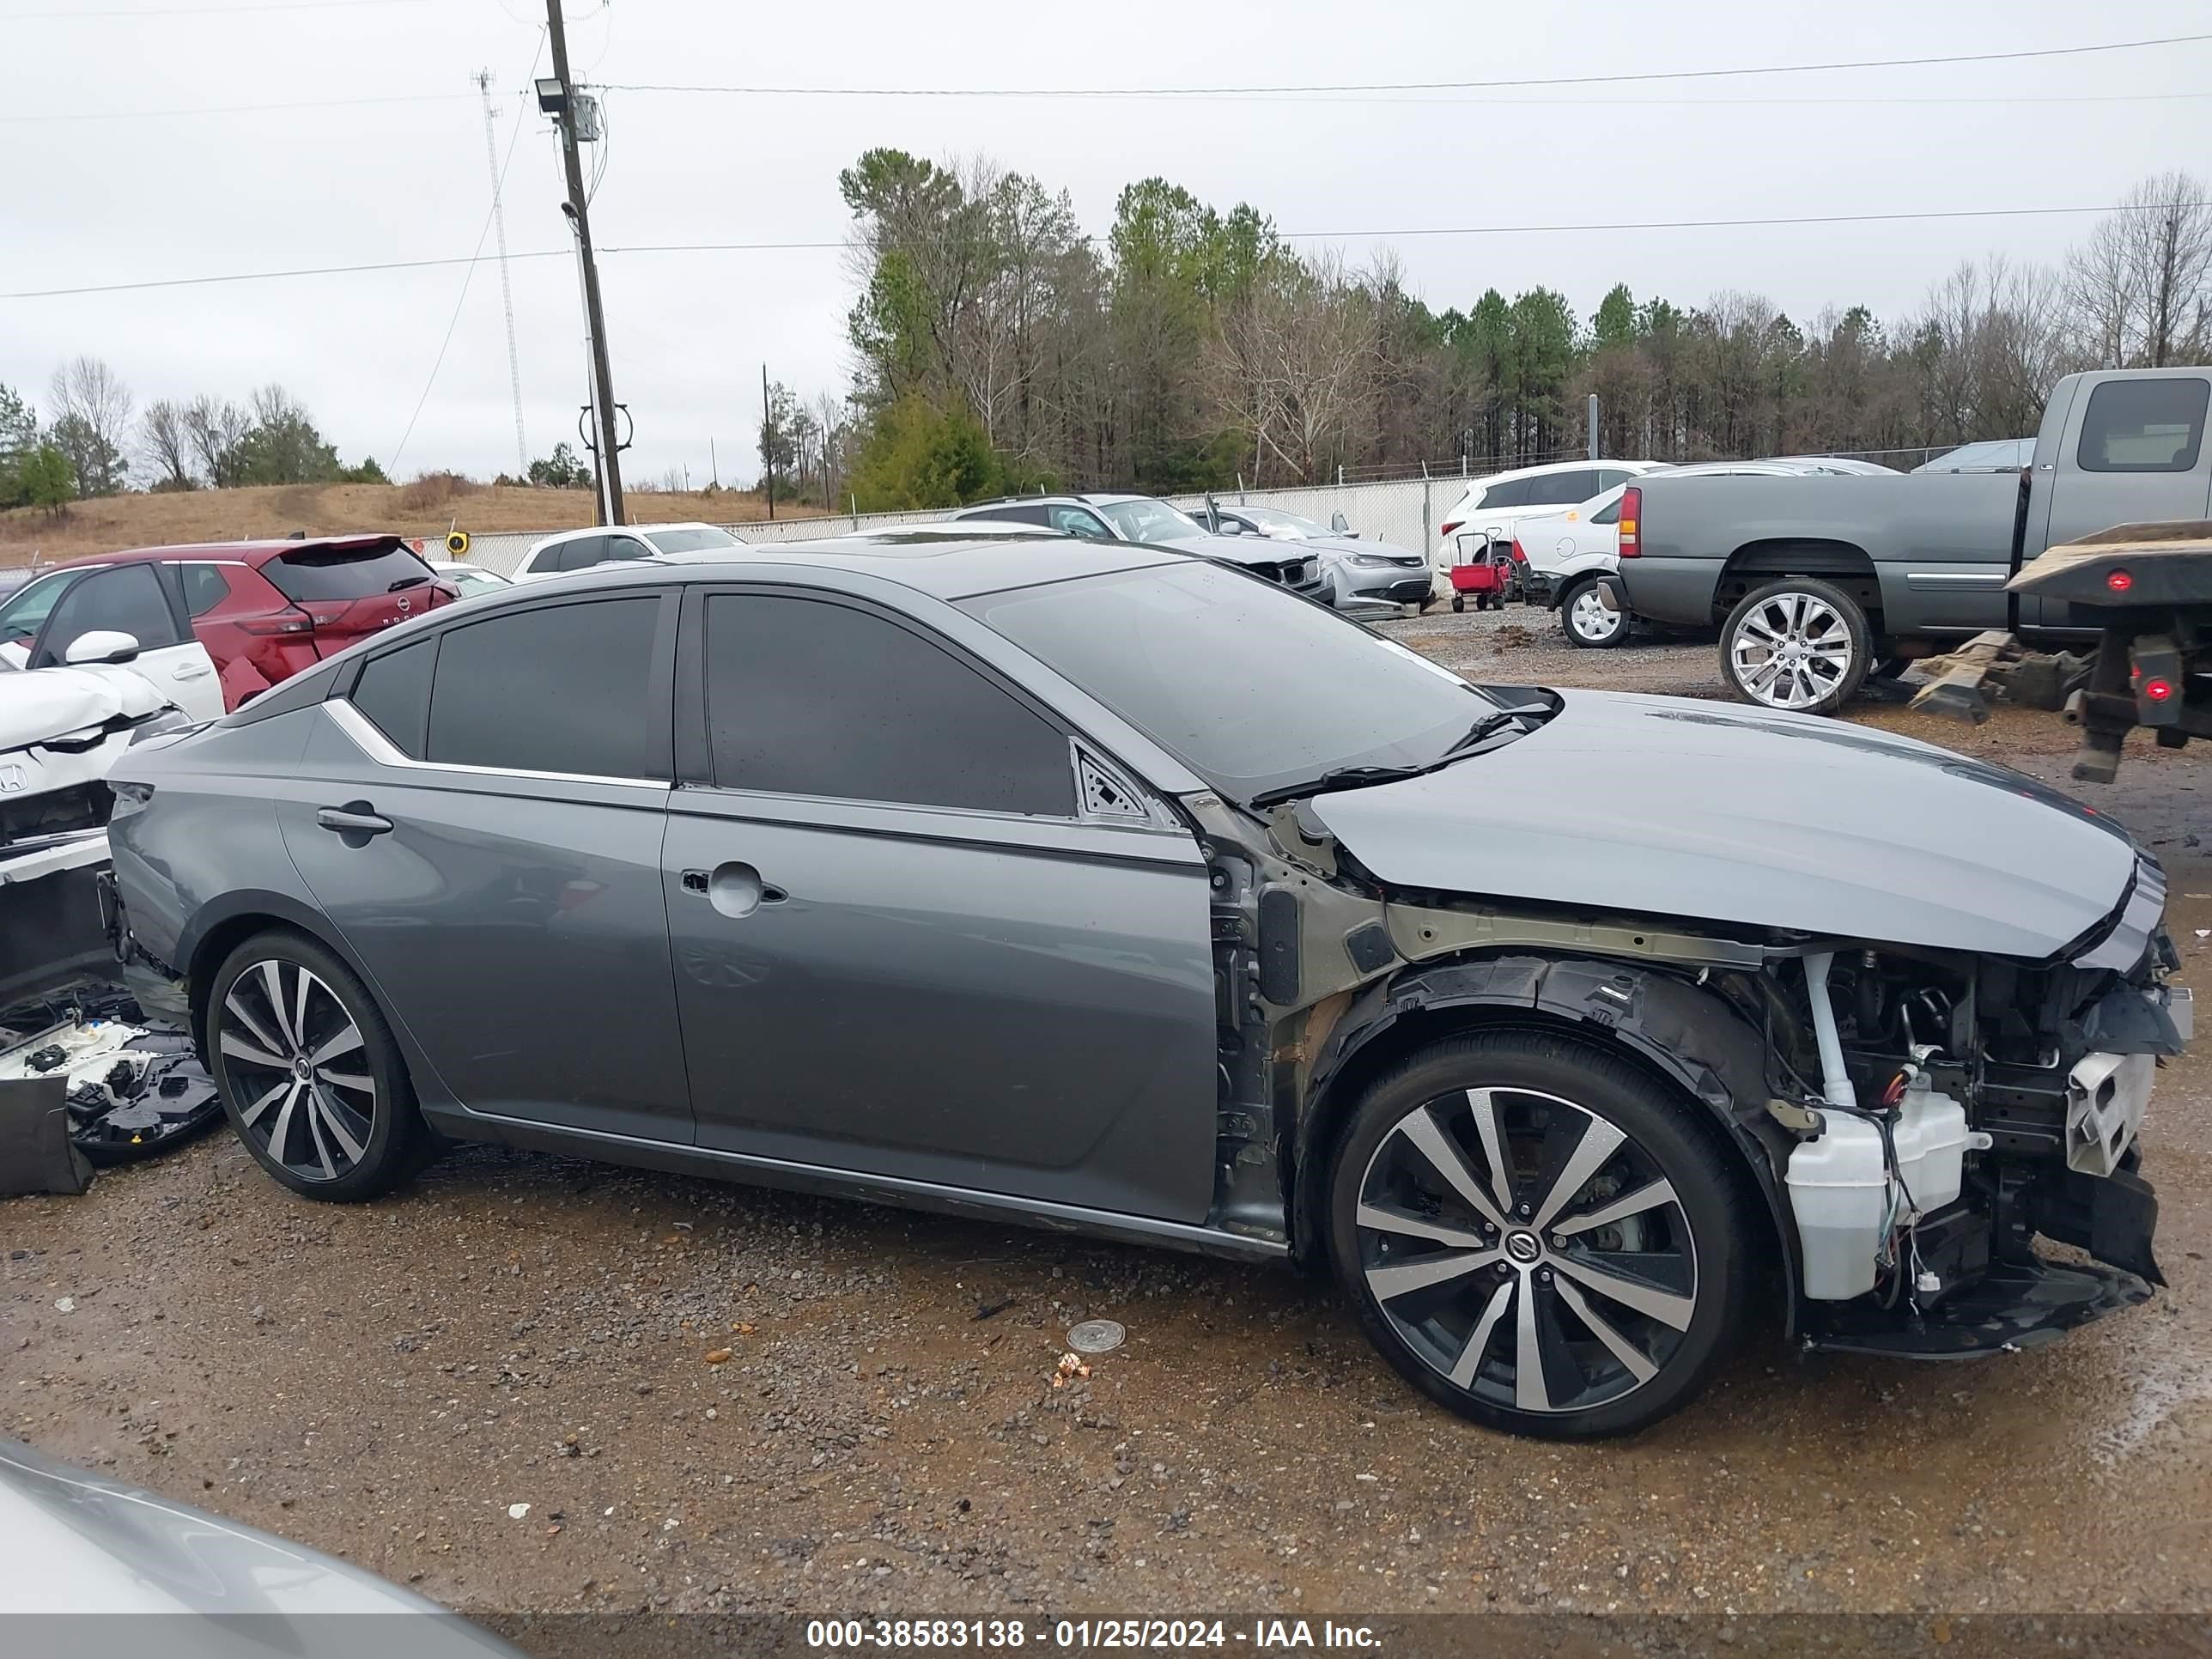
column 1538, row 1236
column 312, row 1079
column 1458, row 603
column 1588, row 623
column 1799, row 645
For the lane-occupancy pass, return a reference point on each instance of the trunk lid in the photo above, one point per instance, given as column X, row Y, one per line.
column 353, row 588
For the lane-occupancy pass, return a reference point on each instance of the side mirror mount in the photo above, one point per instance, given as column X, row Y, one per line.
column 101, row 645
column 1339, row 524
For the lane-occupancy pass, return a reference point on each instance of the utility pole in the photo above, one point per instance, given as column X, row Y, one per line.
column 767, row 444
column 563, row 104
column 1593, row 426
column 506, row 287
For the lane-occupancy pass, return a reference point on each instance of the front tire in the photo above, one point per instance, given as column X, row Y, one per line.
column 1800, row 644
column 1587, row 622
column 311, row 1077
column 1538, row 1236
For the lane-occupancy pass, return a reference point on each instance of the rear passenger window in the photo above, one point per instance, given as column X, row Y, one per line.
column 2144, row 426
column 127, row 598
column 580, row 554
column 1513, row 492
column 204, row 588
column 560, row 687
column 805, row 697
column 394, row 692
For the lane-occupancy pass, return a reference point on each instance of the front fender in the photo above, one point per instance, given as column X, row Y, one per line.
column 1684, row 1030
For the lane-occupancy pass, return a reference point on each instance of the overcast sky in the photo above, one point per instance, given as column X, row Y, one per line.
column 177, row 195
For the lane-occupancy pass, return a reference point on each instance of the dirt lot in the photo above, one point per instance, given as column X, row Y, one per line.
column 388, row 1382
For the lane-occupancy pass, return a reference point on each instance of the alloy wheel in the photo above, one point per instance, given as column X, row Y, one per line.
column 1791, row 651
column 1589, row 618
column 298, row 1067
column 1527, row 1249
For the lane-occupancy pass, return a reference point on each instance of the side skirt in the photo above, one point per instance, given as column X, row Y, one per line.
column 717, row 1165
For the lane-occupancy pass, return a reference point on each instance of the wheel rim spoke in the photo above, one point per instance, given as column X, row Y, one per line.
column 1666, row 1306
column 356, row 1080
column 325, row 1111
column 1391, row 1282
column 343, row 1044
column 1484, row 1104
column 1531, row 1392
column 1478, row 1339
column 1638, row 1364
column 1647, row 1197
column 244, row 1016
column 272, row 987
column 240, row 1049
column 251, row 1114
column 1599, row 1141
column 315, row 1138
column 280, row 1133
column 1420, row 1130
column 1414, row 1226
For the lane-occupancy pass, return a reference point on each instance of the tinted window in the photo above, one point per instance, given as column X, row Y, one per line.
column 579, row 554
column 1609, row 476
column 1512, row 492
column 2144, row 426
column 1563, row 489
column 127, row 598
column 1077, row 521
column 394, row 692
column 1222, row 671
column 344, row 573
column 625, row 547
column 1609, row 514
column 563, row 687
column 1010, row 515
column 20, row 617
column 694, row 539
column 204, row 588
column 809, row 698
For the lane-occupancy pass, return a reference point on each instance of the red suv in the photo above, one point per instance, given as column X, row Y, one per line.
column 264, row 609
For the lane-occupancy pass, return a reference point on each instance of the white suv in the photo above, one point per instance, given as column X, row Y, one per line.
column 1491, row 507
column 580, row 549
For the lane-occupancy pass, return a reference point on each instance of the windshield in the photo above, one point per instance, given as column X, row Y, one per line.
column 1151, row 521
column 1251, row 687
column 20, row 617
column 344, row 573
column 691, row 538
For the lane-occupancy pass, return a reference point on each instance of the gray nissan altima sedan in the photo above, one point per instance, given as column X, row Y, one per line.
column 1101, row 888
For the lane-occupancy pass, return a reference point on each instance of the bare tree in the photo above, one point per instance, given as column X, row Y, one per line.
column 91, row 411
column 2141, row 288
column 216, row 429
column 167, row 445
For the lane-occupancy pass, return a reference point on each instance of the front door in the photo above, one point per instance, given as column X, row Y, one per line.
column 480, row 813
column 902, row 949
column 134, row 599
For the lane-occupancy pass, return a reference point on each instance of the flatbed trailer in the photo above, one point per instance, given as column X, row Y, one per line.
column 2146, row 590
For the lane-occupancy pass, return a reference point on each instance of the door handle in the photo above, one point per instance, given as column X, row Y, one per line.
column 735, row 890
column 190, row 671
column 357, row 821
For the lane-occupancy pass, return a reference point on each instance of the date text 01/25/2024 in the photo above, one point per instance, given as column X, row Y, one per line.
column 1263, row 1634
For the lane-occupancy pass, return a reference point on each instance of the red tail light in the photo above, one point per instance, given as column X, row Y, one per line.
column 1519, row 557
column 2119, row 581
column 1631, row 522
column 1450, row 527
column 2157, row 690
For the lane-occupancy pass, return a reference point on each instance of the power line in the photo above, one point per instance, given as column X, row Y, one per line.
column 231, row 109
column 75, row 14
column 1287, row 235
column 1417, row 86
column 498, row 188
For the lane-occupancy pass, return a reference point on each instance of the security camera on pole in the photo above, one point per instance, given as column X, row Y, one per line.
column 570, row 111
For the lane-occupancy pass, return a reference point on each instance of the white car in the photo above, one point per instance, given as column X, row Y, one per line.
column 1569, row 553
column 472, row 579
column 1490, row 507
column 580, row 549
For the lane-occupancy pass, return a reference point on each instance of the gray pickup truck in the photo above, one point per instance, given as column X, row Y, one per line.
column 1817, row 582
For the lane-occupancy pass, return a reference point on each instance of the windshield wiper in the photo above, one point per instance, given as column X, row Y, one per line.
column 1342, row 777
column 407, row 582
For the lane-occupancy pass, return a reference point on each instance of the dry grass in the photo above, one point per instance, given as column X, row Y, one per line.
column 434, row 490
column 218, row 515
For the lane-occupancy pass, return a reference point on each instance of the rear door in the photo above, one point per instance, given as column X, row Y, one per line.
column 480, row 813
column 350, row 590
column 904, row 947
column 136, row 599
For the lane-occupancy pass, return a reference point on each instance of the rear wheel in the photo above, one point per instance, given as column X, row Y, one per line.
column 1798, row 644
column 1587, row 621
column 311, row 1077
column 1536, row 1234
column 1459, row 601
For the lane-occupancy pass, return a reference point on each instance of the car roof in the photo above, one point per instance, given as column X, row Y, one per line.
column 1550, row 467
column 248, row 552
column 940, row 564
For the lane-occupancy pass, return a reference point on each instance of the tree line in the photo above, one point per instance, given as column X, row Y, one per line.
column 94, row 439
column 999, row 348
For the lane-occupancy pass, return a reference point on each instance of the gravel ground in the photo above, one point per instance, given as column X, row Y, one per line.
column 715, row 1398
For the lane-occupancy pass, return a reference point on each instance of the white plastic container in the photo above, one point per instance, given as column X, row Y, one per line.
column 1839, row 1192
column 1931, row 1146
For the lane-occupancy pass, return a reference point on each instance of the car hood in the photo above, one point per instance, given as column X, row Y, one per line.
column 1235, row 549
column 39, row 703
column 1340, row 545
column 1661, row 805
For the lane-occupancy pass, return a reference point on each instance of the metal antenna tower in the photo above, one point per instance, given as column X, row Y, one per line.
column 506, row 286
